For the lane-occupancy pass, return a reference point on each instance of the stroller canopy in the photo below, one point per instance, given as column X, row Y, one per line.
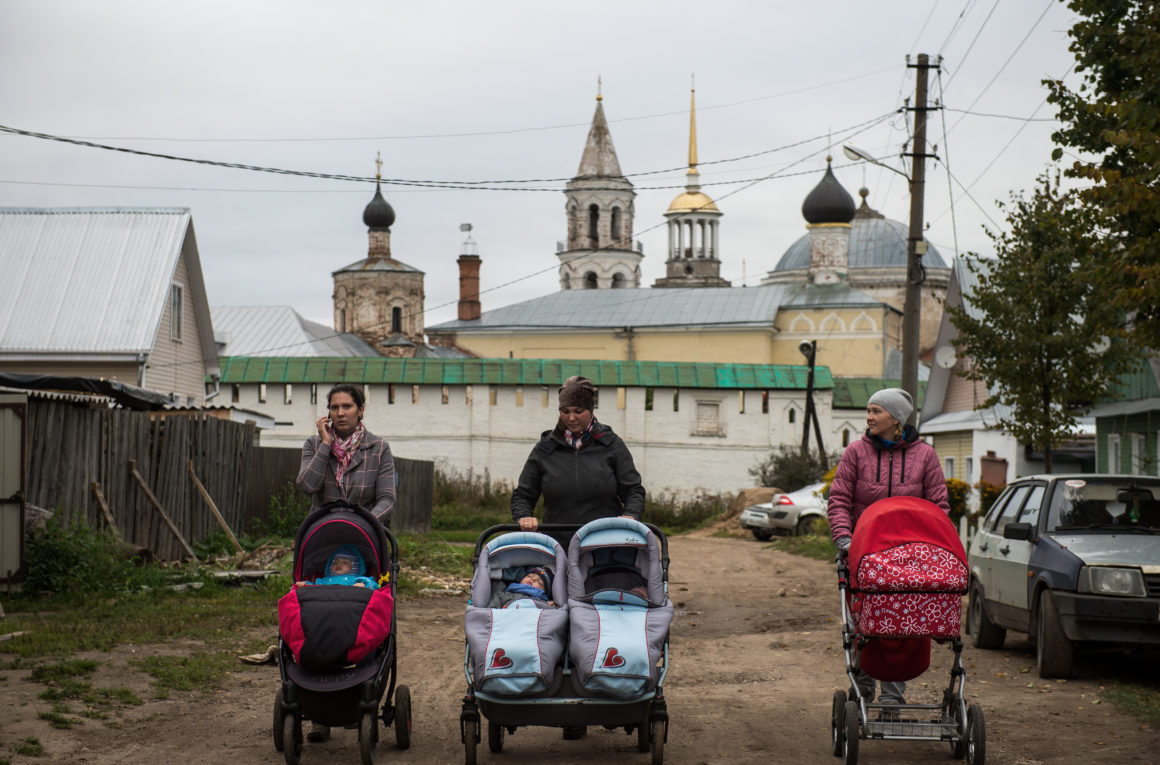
column 898, row 521
column 333, row 526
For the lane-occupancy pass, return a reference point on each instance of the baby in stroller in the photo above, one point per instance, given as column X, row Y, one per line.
column 345, row 567
column 535, row 585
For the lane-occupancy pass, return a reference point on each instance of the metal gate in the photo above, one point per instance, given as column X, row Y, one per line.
column 13, row 408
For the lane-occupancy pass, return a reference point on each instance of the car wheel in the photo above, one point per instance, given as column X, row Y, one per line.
column 1054, row 653
column 984, row 634
column 763, row 536
column 807, row 525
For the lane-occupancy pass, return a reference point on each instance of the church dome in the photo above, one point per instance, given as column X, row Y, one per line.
column 693, row 201
column 875, row 242
column 378, row 215
column 828, row 202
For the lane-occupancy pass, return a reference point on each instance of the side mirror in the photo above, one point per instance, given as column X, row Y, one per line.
column 1021, row 531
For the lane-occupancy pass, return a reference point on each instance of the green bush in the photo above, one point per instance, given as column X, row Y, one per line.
column 469, row 503
column 988, row 493
column 287, row 509
column 958, row 492
column 72, row 557
column 674, row 516
column 789, row 469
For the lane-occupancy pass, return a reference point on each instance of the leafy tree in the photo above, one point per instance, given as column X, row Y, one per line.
column 1114, row 115
column 789, row 468
column 1035, row 325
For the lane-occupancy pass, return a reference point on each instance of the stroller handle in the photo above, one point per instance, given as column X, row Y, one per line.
column 503, row 528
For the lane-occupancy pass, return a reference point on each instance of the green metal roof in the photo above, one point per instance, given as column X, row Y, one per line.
column 652, row 374
column 855, row 392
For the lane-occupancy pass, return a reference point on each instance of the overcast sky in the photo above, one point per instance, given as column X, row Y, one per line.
column 505, row 91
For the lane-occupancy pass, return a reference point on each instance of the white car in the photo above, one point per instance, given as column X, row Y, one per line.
column 796, row 512
column 1069, row 559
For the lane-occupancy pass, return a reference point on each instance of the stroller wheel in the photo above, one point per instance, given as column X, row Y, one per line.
column 959, row 741
column 367, row 737
column 291, row 739
column 642, row 743
column 837, row 723
column 494, row 737
column 976, row 736
column 470, row 738
column 403, row 717
column 277, row 728
column 850, row 740
column 657, row 741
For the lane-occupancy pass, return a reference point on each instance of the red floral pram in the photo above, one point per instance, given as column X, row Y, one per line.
column 909, row 571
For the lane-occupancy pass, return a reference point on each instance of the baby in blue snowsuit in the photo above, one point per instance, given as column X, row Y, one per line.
column 344, row 567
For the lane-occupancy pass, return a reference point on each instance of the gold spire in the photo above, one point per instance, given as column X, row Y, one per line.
column 378, row 165
column 599, row 89
column 693, row 127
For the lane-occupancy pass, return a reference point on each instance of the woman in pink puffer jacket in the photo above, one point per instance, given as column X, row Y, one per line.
column 889, row 460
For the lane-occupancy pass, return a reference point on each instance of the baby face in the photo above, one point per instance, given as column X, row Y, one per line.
column 341, row 567
column 534, row 580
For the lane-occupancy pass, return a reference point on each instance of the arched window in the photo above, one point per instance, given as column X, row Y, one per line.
column 342, row 320
column 396, row 319
column 593, row 226
column 590, row 281
column 616, row 220
column 567, row 281
column 618, row 281
column 792, row 416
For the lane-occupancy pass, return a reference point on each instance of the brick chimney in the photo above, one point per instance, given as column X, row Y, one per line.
column 469, row 308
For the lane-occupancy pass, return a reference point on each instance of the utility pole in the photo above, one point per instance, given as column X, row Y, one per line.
column 916, row 245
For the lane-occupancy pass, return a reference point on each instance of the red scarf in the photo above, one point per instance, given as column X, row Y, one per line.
column 344, row 449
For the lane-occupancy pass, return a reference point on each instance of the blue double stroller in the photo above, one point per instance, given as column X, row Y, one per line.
column 597, row 658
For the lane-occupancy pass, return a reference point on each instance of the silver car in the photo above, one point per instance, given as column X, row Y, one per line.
column 1069, row 559
column 795, row 512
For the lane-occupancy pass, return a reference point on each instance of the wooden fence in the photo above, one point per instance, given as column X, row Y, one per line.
column 73, row 447
column 273, row 468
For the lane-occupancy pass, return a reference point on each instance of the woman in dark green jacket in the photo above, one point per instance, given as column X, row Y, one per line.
column 581, row 467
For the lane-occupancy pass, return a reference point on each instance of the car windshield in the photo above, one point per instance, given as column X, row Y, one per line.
column 1127, row 504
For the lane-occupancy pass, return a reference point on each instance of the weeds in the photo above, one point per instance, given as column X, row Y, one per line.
column 201, row 671
column 1140, row 701
column 30, row 747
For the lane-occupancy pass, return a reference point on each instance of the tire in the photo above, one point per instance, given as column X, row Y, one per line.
column 984, row 634
column 959, row 742
column 642, row 738
column 367, row 733
column 403, row 717
column 291, row 739
column 976, row 736
column 277, row 728
column 807, row 526
column 494, row 737
column 837, row 723
column 850, row 739
column 1054, row 653
column 657, row 741
column 763, row 536
column 470, row 734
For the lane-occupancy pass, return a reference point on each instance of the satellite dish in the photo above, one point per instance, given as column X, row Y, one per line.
column 945, row 357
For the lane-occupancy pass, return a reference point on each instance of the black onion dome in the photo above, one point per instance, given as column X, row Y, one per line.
column 828, row 202
column 378, row 215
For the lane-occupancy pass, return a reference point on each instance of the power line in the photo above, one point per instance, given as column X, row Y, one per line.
column 972, row 45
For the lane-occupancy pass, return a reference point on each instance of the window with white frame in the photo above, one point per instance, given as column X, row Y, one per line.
column 261, row 393
column 1139, row 454
column 968, row 468
column 708, row 422
column 949, row 467
column 176, row 311
column 288, row 394
column 1113, row 454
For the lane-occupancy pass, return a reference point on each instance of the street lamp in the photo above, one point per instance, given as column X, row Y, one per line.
column 860, row 155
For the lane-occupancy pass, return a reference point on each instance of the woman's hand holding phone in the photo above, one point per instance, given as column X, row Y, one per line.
column 325, row 431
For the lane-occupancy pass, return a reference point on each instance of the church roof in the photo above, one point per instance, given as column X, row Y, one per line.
column 829, row 202
column 378, row 215
column 378, row 264
column 599, row 159
column 875, row 242
column 279, row 330
column 673, row 307
column 693, row 201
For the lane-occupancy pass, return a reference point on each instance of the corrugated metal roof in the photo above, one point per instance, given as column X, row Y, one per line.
column 659, row 374
column 279, row 330
column 636, row 308
column 855, row 392
column 86, row 280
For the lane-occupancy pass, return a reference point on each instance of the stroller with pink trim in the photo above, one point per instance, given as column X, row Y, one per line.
column 902, row 585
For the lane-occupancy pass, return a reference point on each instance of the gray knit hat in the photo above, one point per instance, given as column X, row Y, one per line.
column 578, row 391
column 897, row 403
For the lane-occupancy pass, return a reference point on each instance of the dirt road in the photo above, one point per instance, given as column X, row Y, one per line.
column 755, row 658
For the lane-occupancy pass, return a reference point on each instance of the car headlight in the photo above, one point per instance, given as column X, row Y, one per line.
column 1105, row 580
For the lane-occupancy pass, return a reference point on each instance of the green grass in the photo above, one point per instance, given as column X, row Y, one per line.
column 201, row 671
column 1138, row 700
column 29, row 747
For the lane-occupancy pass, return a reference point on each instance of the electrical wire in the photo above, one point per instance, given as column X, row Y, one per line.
column 946, row 159
column 957, row 25
column 973, row 41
